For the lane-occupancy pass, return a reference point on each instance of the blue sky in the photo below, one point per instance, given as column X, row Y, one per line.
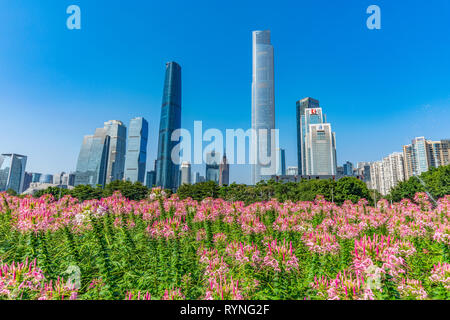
column 379, row 88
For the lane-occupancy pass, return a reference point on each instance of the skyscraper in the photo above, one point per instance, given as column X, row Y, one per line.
column 12, row 172
column 117, row 148
column 263, row 102
column 224, row 172
column 166, row 170
column 28, row 178
column 320, row 150
column 36, row 177
column 281, row 162
column 387, row 173
column 199, row 178
column 212, row 166
column 150, row 180
column 348, row 169
column 438, row 153
column 423, row 154
column 408, row 161
column 301, row 106
column 93, row 159
column 394, row 172
column 136, row 156
column 421, row 160
column 186, row 173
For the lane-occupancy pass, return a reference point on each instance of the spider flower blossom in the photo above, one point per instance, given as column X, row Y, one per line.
column 169, row 228
column 346, row 286
column 440, row 274
column 173, row 294
column 243, row 254
column 412, row 290
column 20, row 280
column 222, row 288
column 138, row 296
column 280, row 255
column 321, row 242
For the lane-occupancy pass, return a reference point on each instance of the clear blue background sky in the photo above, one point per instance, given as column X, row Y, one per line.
column 379, row 88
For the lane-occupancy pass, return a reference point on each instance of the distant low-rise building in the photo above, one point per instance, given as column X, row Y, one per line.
column 37, row 186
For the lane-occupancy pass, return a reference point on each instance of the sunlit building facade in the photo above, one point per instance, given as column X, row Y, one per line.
column 136, row 155
column 301, row 106
column 167, row 172
column 12, row 172
column 117, row 150
column 93, row 159
column 263, row 104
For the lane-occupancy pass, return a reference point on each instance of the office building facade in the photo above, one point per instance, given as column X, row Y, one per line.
column 224, row 172
column 167, row 171
column 263, row 104
column 212, row 166
column 185, row 173
column 301, row 106
column 12, row 172
column 117, row 150
column 93, row 159
column 281, row 162
column 150, row 180
column 136, row 155
column 348, row 169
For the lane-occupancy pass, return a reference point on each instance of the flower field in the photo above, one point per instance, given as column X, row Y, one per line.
column 166, row 248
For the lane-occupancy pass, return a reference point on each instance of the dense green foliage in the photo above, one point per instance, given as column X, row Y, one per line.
column 437, row 181
column 133, row 191
column 347, row 188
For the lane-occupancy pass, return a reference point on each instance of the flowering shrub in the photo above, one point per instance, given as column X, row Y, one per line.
column 166, row 248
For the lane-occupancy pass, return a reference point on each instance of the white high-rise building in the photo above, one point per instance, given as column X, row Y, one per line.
column 393, row 171
column 320, row 150
column 186, row 173
column 386, row 174
column 377, row 176
column 263, row 105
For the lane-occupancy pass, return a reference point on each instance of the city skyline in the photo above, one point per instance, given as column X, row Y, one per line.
column 408, row 111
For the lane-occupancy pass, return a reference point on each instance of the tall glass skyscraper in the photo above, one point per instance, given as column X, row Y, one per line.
column 117, row 149
column 12, row 172
column 136, row 156
column 302, row 105
column 166, row 170
column 263, row 100
column 93, row 159
column 281, row 162
column 224, row 171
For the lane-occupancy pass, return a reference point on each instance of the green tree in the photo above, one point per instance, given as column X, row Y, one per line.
column 436, row 180
column 350, row 188
column 11, row 192
column 54, row 191
column 87, row 192
column 132, row 191
column 199, row 191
